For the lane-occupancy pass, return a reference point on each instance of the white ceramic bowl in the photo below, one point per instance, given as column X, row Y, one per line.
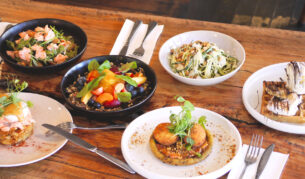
column 223, row 41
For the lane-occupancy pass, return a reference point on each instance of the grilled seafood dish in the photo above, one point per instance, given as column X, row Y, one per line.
column 41, row 47
column 184, row 141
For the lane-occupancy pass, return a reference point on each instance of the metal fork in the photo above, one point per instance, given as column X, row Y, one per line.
column 252, row 152
column 70, row 125
column 140, row 50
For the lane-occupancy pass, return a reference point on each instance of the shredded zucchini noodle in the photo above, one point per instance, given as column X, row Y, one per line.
column 201, row 59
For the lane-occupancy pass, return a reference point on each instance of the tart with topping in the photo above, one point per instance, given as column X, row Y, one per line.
column 183, row 141
column 284, row 101
column 16, row 122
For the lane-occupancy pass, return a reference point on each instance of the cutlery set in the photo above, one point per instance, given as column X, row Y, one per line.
column 138, row 52
column 253, row 153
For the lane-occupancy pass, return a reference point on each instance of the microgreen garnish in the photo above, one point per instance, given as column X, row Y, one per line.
column 14, row 88
column 182, row 122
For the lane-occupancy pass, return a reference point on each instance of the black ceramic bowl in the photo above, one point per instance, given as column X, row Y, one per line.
column 67, row 27
column 82, row 68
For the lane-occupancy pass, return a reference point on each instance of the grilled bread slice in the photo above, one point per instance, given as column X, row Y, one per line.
column 278, row 89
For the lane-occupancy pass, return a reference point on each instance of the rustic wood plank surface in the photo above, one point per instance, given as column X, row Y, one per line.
column 263, row 47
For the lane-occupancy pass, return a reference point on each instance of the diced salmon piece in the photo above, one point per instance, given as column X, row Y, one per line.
column 39, row 29
column 30, row 33
column 60, row 58
column 18, row 40
column 46, row 29
column 52, row 46
column 11, row 53
column 37, row 47
column 49, row 35
column 26, row 37
column 65, row 43
column 56, row 41
column 25, row 54
column 40, row 54
column 39, row 36
column 22, row 34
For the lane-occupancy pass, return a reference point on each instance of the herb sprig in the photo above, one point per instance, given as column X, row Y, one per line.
column 182, row 122
column 14, row 88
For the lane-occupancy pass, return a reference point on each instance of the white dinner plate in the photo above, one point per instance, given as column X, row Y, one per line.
column 37, row 146
column 252, row 97
column 137, row 152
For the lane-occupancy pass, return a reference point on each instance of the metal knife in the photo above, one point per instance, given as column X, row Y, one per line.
column 134, row 29
column 89, row 147
column 263, row 161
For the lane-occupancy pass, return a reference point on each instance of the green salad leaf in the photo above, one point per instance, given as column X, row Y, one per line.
column 128, row 66
column 128, row 80
column 93, row 65
column 90, row 86
column 105, row 65
column 124, row 97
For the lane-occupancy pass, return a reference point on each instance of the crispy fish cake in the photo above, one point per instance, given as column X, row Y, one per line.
column 163, row 135
column 198, row 135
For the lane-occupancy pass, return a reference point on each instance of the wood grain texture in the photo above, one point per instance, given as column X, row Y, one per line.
column 263, row 47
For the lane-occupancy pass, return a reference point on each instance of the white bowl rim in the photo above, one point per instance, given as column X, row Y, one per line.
column 202, row 79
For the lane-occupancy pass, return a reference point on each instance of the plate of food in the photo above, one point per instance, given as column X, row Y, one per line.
column 109, row 86
column 202, row 57
column 22, row 138
column 274, row 95
column 181, row 141
column 41, row 45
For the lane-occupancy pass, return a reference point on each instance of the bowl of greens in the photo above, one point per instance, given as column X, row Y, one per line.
column 42, row 45
column 202, row 57
column 109, row 86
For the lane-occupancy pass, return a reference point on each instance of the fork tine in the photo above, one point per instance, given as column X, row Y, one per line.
column 253, row 145
column 260, row 145
column 255, row 154
column 250, row 145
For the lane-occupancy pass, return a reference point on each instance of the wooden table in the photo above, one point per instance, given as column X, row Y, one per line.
column 263, row 47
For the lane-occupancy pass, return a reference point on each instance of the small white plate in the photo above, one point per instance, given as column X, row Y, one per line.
column 223, row 41
column 37, row 146
column 252, row 97
column 137, row 152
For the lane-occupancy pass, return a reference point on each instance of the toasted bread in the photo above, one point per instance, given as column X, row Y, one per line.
column 299, row 117
column 184, row 161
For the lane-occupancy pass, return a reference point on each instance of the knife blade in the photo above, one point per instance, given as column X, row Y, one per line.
column 134, row 29
column 263, row 161
column 78, row 141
